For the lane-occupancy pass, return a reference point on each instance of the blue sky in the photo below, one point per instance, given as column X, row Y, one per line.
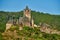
column 47, row 6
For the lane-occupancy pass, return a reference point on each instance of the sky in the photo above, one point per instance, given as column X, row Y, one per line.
column 46, row 6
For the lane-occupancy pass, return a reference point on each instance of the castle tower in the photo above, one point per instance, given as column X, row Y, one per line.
column 27, row 13
column 27, row 16
column 32, row 23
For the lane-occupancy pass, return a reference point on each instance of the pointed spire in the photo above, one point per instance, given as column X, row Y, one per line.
column 27, row 8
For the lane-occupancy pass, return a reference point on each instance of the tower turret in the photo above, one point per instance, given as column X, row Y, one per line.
column 27, row 12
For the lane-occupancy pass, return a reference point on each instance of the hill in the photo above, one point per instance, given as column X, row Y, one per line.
column 39, row 17
column 29, row 33
column 52, row 20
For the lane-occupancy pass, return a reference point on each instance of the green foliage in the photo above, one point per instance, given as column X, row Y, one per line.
column 14, row 28
column 35, row 34
column 1, row 36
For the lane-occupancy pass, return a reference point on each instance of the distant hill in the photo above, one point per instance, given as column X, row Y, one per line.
column 52, row 20
column 39, row 17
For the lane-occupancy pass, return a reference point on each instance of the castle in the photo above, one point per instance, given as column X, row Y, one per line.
column 25, row 20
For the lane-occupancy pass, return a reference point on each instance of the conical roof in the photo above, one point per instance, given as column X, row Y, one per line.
column 26, row 8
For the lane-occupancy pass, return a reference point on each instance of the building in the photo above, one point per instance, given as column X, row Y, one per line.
column 25, row 20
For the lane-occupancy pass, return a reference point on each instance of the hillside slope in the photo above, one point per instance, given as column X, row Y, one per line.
column 28, row 34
